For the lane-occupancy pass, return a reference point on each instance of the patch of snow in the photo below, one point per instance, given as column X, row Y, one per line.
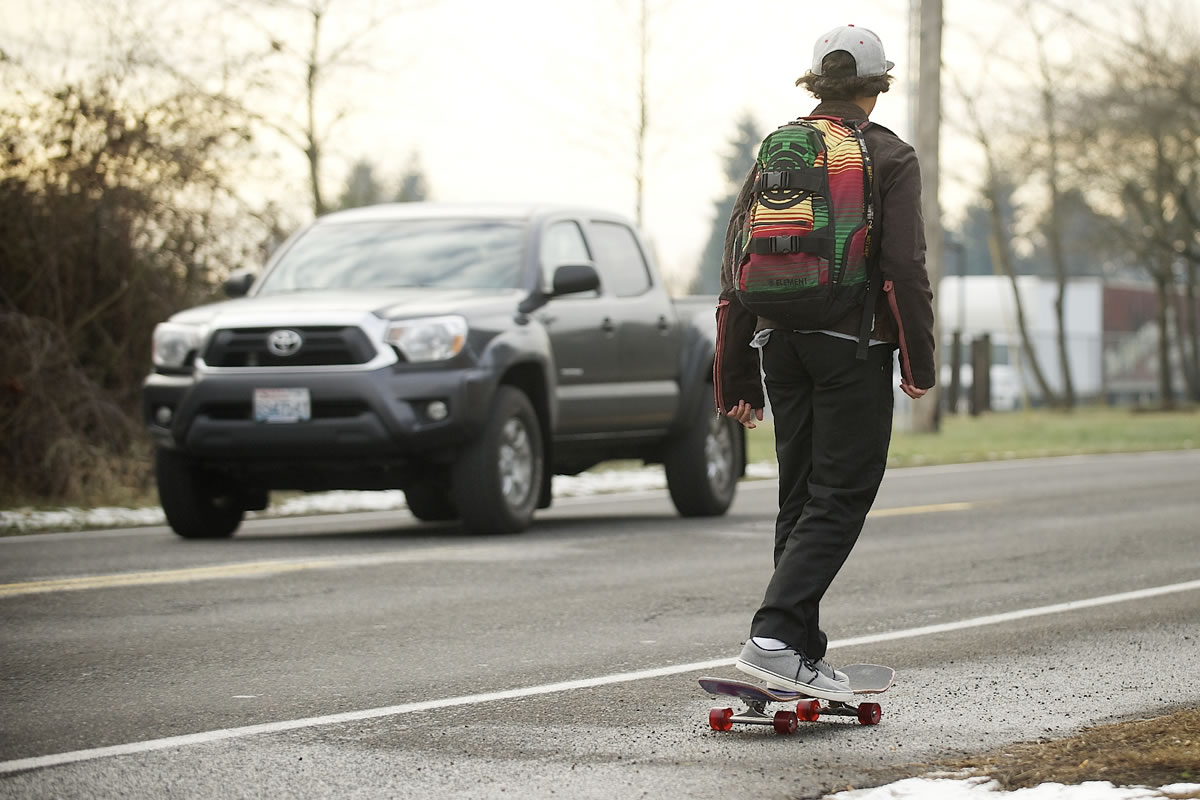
column 583, row 485
column 986, row 789
column 75, row 518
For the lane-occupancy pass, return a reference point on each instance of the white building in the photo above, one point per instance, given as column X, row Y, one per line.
column 983, row 304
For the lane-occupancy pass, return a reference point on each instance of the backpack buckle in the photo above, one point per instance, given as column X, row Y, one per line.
column 781, row 244
column 774, row 180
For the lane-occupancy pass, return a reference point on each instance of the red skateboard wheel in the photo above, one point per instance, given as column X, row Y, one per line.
column 869, row 713
column 720, row 719
column 786, row 722
column 809, row 710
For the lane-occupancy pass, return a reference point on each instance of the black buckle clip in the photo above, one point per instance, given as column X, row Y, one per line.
column 775, row 180
column 781, row 244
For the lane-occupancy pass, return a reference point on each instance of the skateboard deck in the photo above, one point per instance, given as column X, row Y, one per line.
column 865, row 679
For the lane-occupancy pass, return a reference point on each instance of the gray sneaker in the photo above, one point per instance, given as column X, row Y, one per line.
column 829, row 671
column 791, row 670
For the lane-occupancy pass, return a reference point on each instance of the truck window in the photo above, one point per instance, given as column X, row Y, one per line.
column 562, row 244
column 623, row 270
column 442, row 253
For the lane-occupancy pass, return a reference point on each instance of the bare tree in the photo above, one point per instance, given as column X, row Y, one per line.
column 1143, row 128
column 1147, row 210
column 310, row 60
column 1054, row 231
column 1000, row 238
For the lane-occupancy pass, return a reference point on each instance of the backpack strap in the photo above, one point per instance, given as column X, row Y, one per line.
column 874, row 271
column 856, row 124
column 815, row 244
column 874, row 279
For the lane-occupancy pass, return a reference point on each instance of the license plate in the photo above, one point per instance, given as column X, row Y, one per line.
column 282, row 405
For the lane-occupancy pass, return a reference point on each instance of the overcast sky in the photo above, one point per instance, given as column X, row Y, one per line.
column 535, row 100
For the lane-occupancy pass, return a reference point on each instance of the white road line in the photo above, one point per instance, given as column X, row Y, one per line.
column 58, row 759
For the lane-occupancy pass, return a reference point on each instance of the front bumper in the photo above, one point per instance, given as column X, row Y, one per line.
column 376, row 414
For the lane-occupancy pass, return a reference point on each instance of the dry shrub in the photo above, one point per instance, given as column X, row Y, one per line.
column 115, row 212
column 1150, row 752
column 63, row 434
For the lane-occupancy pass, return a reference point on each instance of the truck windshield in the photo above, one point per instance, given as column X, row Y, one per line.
column 443, row 253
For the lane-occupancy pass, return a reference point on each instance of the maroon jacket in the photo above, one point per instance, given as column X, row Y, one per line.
column 904, row 311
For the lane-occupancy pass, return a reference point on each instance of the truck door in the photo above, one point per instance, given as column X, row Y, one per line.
column 649, row 338
column 583, row 332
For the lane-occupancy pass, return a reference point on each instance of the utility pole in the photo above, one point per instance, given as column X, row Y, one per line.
column 643, row 117
column 926, row 415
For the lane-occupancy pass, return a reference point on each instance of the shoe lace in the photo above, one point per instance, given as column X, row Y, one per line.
column 823, row 667
column 805, row 661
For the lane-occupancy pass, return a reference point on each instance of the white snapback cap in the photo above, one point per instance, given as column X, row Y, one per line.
column 861, row 43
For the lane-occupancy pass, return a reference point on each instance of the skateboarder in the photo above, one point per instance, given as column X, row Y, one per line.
column 832, row 404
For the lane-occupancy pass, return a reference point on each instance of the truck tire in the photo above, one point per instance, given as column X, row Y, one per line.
column 497, row 480
column 199, row 504
column 430, row 500
column 703, row 465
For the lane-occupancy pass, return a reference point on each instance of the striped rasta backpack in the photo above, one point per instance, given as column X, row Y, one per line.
column 805, row 248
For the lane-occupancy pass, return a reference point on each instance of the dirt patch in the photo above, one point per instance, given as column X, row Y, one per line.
column 1145, row 752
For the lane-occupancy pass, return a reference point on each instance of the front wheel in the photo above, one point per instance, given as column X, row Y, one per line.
column 199, row 504
column 497, row 480
column 430, row 500
column 704, row 463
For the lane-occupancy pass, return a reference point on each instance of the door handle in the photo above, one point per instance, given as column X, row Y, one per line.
column 664, row 324
column 608, row 326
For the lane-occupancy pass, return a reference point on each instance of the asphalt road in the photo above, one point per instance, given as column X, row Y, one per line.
column 368, row 655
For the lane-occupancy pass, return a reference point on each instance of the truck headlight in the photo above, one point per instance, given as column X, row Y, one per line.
column 428, row 339
column 174, row 343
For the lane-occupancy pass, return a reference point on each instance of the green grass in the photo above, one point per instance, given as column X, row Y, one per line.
column 1025, row 434
column 1019, row 434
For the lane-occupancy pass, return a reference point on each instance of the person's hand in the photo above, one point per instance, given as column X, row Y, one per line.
column 912, row 391
column 744, row 413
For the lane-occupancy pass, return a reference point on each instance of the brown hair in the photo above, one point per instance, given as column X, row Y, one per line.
column 841, row 81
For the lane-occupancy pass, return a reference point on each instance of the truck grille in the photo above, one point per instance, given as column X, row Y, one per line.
column 319, row 347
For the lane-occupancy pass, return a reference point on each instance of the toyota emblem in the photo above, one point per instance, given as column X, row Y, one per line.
column 284, row 342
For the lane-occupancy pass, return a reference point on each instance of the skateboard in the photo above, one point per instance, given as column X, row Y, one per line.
column 865, row 679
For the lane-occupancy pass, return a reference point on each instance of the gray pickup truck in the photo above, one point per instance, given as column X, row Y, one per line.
column 462, row 354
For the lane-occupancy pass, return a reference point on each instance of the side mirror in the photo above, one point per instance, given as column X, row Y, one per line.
column 237, row 284
column 575, row 278
column 568, row 279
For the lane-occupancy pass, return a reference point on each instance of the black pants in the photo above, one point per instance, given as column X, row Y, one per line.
column 833, row 423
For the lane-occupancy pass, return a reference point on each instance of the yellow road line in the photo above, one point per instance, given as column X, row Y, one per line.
column 251, row 569
column 932, row 509
column 264, row 568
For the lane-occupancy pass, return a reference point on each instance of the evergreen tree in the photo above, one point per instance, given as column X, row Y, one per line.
column 975, row 231
column 361, row 187
column 1088, row 240
column 414, row 187
column 738, row 163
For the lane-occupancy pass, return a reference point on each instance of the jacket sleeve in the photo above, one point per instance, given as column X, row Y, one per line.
column 902, row 263
column 736, row 373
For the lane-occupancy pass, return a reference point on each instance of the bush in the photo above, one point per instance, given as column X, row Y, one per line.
column 114, row 212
